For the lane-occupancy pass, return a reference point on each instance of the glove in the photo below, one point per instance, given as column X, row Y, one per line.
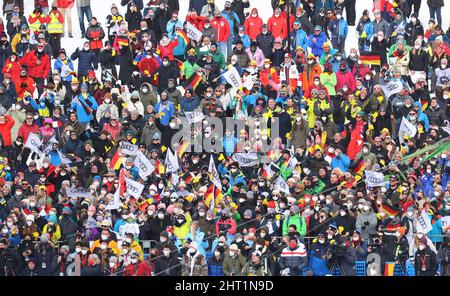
column 366, row 223
column 364, row 34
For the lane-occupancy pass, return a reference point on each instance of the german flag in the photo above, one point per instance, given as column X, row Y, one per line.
column 188, row 178
column 359, row 170
column 182, row 148
column 389, row 209
column 424, row 104
column 209, row 195
column 389, row 268
column 193, row 81
column 217, row 195
column 116, row 161
column 370, row 59
column 159, row 168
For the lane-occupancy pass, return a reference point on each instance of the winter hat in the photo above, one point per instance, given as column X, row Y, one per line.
column 52, row 218
column 248, row 213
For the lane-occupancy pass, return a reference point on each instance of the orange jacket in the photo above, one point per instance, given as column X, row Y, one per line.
column 307, row 80
column 253, row 25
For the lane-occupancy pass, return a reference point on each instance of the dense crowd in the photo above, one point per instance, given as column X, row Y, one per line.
column 343, row 155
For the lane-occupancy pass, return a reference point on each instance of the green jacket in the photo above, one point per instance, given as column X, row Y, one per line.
column 250, row 269
column 233, row 265
column 296, row 220
column 316, row 190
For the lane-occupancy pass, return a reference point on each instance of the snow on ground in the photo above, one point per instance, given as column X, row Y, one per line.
column 101, row 9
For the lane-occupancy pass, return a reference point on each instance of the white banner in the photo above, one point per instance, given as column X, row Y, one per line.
column 64, row 159
column 374, row 179
column 215, row 174
column 128, row 148
column 134, row 188
column 171, row 161
column 192, row 32
column 423, row 223
column 232, row 77
column 392, row 88
column 115, row 202
column 407, row 128
column 34, row 143
column 194, row 117
column 246, row 159
column 445, row 222
column 281, row 185
column 78, row 192
column 144, row 165
column 47, row 147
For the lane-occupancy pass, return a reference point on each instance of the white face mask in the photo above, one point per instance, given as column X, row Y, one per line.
column 380, row 38
column 111, row 264
column 316, row 83
column 368, row 77
column 165, row 63
column 217, row 253
column 77, row 250
column 322, row 241
column 231, row 253
column 343, row 213
column 134, row 261
column 103, row 247
column 366, row 208
column 150, row 213
column 310, row 62
column 29, row 223
column 421, row 247
column 172, row 125
column 254, row 15
column 419, row 236
column 365, row 150
column 329, row 236
column 267, row 66
column 125, row 251
column 104, row 237
column 417, row 46
column 166, row 253
column 338, row 16
column 9, row 224
column 84, row 252
column 161, row 216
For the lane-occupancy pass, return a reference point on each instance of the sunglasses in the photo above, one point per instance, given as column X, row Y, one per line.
column 29, row 118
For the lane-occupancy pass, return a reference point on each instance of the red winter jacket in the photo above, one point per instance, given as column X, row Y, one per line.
column 5, row 130
column 25, row 130
column 95, row 34
column 253, row 25
column 231, row 225
column 13, row 69
column 345, row 79
column 277, row 25
column 65, row 3
column 148, row 66
column 24, row 84
column 222, row 28
column 139, row 269
column 36, row 70
column 168, row 49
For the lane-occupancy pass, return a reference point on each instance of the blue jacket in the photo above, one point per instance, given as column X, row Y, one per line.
column 435, row 233
column 167, row 108
column 299, row 38
column 316, row 48
column 58, row 65
column 180, row 49
column 338, row 30
column 229, row 17
column 85, row 62
column 244, row 38
column 422, row 116
column 229, row 142
column 189, row 105
column 214, row 269
column 326, row 4
column 54, row 157
column 341, row 162
column 427, row 183
column 170, row 28
column 368, row 28
column 317, row 264
column 82, row 115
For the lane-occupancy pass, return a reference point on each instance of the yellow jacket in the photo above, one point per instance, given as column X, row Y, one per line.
column 182, row 231
column 56, row 235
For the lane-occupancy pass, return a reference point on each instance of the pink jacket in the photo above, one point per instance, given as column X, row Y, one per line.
column 258, row 56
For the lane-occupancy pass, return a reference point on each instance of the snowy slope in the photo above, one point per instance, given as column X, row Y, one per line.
column 101, row 8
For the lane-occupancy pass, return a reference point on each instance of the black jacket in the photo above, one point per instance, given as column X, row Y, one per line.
column 425, row 262
column 418, row 60
column 265, row 43
column 167, row 266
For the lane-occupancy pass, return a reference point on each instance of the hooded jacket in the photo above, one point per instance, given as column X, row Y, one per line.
column 253, row 25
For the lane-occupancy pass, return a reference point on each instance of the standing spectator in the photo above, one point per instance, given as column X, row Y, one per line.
column 223, row 32
column 338, row 31
column 55, row 21
column 253, row 25
column 435, row 7
column 95, row 35
column 65, row 9
column 86, row 59
column 38, row 63
column 84, row 9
